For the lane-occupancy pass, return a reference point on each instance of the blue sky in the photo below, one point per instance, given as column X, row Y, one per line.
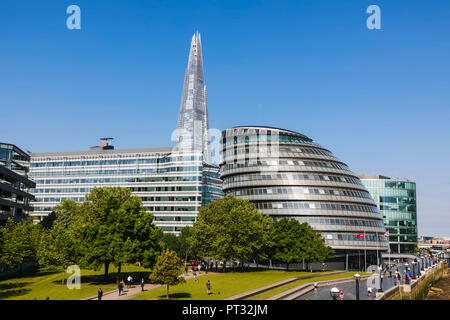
column 379, row 99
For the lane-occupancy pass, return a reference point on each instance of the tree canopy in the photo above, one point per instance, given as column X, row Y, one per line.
column 230, row 229
column 167, row 270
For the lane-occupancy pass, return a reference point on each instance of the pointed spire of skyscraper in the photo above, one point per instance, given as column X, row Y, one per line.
column 193, row 123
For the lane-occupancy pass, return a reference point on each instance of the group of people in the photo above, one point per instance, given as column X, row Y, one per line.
column 121, row 286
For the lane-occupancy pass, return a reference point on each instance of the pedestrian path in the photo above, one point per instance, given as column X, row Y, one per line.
column 127, row 293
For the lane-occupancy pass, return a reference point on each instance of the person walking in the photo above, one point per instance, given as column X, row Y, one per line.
column 185, row 270
column 120, row 287
column 208, row 288
column 341, row 294
column 194, row 274
column 369, row 291
column 129, row 279
column 99, row 294
column 315, row 286
column 142, row 284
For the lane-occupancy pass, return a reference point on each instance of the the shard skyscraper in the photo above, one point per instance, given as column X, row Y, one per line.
column 193, row 123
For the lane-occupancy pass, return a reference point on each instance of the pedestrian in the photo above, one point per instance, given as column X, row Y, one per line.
column 315, row 286
column 194, row 274
column 369, row 291
column 208, row 288
column 199, row 268
column 120, row 287
column 211, row 265
column 206, row 268
column 142, row 284
column 185, row 270
column 341, row 294
column 100, row 294
column 129, row 279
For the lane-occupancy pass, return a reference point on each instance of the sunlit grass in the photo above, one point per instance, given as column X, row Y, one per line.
column 38, row 285
column 223, row 285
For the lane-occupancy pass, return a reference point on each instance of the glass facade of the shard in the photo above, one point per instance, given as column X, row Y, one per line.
column 193, row 126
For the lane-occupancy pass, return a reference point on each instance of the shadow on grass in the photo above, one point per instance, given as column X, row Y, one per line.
column 178, row 295
column 14, row 293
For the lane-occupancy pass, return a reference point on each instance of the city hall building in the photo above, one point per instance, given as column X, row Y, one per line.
column 287, row 175
column 172, row 182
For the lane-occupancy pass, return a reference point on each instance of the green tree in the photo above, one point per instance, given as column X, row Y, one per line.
column 293, row 241
column 167, row 270
column 57, row 248
column 186, row 248
column 170, row 241
column 113, row 227
column 19, row 243
column 67, row 212
column 230, row 229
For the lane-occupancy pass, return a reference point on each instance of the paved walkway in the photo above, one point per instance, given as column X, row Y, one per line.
column 127, row 293
column 323, row 293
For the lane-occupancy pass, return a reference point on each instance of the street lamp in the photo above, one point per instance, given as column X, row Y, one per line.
column 334, row 293
column 381, row 280
column 357, row 277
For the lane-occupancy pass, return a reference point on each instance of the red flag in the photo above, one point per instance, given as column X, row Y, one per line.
column 361, row 235
column 386, row 234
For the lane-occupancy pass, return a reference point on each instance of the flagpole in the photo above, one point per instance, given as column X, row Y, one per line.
column 365, row 255
column 378, row 262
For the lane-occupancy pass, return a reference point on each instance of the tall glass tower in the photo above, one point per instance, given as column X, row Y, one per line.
column 193, row 123
column 396, row 201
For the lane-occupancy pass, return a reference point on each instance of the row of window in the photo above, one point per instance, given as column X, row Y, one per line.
column 400, row 207
column 307, row 163
column 113, row 162
column 342, row 222
column 264, row 138
column 401, row 200
column 151, row 209
column 274, row 150
column 299, row 190
column 113, row 172
column 134, row 189
column 118, row 180
column 176, row 218
column 318, row 206
column 290, row 177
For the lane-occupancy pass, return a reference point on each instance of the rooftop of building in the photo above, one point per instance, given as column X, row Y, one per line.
column 380, row 177
column 275, row 128
column 5, row 145
column 101, row 151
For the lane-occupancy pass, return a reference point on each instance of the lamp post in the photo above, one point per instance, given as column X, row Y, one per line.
column 380, row 289
column 406, row 273
column 414, row 270
column 357, row 277
column 334, row 293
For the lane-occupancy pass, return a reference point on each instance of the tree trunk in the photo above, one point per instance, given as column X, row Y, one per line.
column 106, row 269
column 287, row 266
column 119, row 270
column 64, row 274
column 185, row 259
column 167, row 295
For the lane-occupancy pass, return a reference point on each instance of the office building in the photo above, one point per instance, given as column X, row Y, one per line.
column 14, row 183
column 396, row 201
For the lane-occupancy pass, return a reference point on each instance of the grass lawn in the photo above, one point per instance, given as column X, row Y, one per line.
column 271, row 293
column 223, row 285
column 39, row 285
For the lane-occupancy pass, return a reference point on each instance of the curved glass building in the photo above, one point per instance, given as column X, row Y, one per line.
column 286, row 174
